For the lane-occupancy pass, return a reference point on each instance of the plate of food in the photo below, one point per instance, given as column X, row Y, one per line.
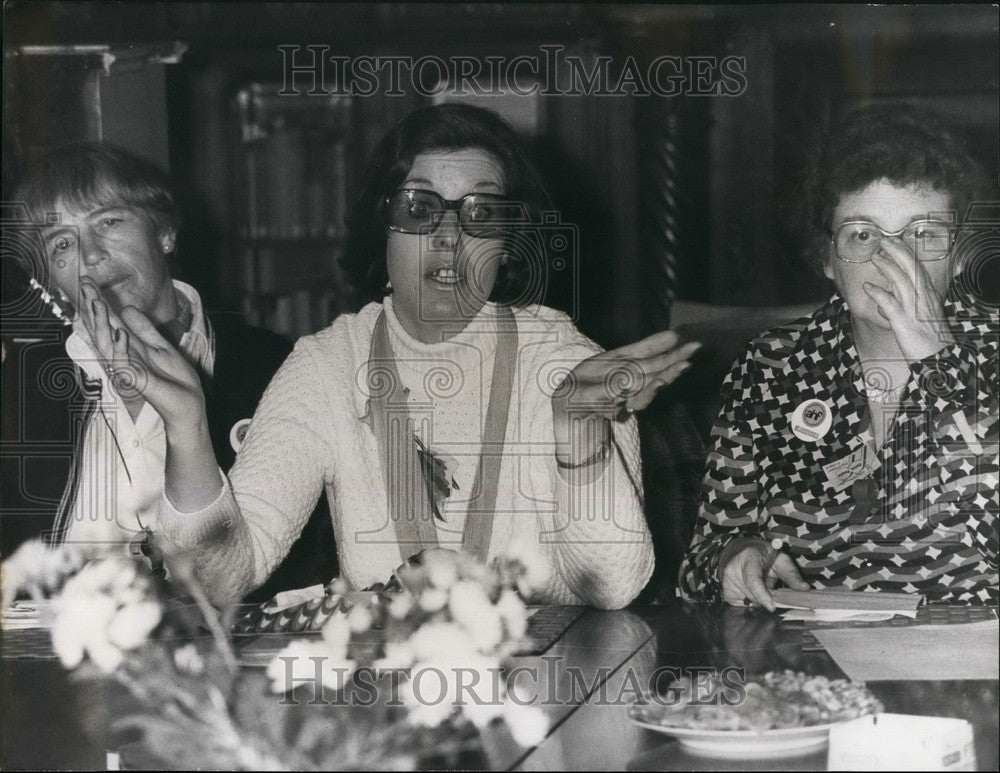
column 778, row 714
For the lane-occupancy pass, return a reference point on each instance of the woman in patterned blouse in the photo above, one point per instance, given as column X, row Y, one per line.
column 857, row 446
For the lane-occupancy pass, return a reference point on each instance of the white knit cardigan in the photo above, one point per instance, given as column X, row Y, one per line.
column 307, row 435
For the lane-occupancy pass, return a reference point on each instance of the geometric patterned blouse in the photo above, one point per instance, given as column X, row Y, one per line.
column 793, row 459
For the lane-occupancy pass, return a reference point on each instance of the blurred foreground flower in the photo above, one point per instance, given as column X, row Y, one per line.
column 444, row 637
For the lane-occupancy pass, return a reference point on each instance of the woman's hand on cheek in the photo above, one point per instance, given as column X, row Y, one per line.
column 140, row 363
column 169, row 382
column 913, row 308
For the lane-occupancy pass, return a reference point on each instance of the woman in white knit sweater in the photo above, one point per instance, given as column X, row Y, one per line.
column 450, row 412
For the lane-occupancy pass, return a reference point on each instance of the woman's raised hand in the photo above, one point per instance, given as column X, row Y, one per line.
column 141, row 363
column 913, row 308
column 619, row 382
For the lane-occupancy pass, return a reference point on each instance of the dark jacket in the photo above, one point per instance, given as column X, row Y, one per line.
column 46, row 406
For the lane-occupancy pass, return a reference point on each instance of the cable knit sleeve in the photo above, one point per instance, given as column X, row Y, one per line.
column 238, row 540
column 596, row 537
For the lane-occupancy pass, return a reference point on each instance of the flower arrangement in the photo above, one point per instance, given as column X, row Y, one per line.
column 409, row 676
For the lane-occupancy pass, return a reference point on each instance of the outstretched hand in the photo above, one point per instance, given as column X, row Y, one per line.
column 619, row 382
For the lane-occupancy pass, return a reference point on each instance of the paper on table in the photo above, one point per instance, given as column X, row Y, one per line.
column 915, row 652
column 849, row 601
column 837, row 616
column 26, row 614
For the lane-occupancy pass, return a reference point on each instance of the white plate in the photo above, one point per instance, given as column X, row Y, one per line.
column 783, row 742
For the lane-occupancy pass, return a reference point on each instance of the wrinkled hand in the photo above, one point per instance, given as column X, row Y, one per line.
column 141, row 363
column 913, row 308
column 621, row 381
column 753, row 572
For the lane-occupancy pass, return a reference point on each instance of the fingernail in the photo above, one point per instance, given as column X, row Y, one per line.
column 117, row 335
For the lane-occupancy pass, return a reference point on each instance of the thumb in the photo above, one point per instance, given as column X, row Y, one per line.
column 786, row 570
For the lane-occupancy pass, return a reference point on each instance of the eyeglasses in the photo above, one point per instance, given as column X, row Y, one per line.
column 482, row 215
column 857, row 240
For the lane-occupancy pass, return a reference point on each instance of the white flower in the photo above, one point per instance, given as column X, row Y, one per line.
column 35, row 567
column 470, row 607
column 468, row 602
column 513, row 613
column 536, row 566
column 104, row 655
column 188, row 659
column 359, row 619
column 397, row 655
column 337, row 634
column 433, row 599
column 133, row 623
column 103, row 610
column 303, row 662
column 440, row 568
column 528, row 724
column 440, row 685
column 421, row 710
column 401, row 605
column 436, row 639
column 100, row 576
column 81, row 627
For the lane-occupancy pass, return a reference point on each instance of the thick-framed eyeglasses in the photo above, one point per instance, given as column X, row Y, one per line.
column 855, row 241
column 419, row 211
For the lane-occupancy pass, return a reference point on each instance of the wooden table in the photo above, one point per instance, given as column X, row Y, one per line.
column 582, row 683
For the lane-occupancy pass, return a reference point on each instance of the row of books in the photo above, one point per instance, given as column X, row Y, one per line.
column 282, row 267
column 296, row 184
column 294, row 314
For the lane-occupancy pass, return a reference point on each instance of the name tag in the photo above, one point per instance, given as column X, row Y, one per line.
column 860, row 463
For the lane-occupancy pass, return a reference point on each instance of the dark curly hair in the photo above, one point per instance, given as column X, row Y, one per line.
column 441, row 127
column 893, row 141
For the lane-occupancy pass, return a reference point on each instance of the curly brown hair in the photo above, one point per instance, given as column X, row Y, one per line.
column 892, row 141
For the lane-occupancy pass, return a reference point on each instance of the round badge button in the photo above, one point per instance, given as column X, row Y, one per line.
column 238, row 433
column 812, row 420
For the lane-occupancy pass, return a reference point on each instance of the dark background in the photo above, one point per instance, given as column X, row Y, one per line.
column 736, row 160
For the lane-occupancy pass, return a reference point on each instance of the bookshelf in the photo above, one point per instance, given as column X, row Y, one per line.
column 291, row 202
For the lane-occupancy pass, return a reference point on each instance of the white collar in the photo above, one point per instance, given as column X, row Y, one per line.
column 198, row 342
